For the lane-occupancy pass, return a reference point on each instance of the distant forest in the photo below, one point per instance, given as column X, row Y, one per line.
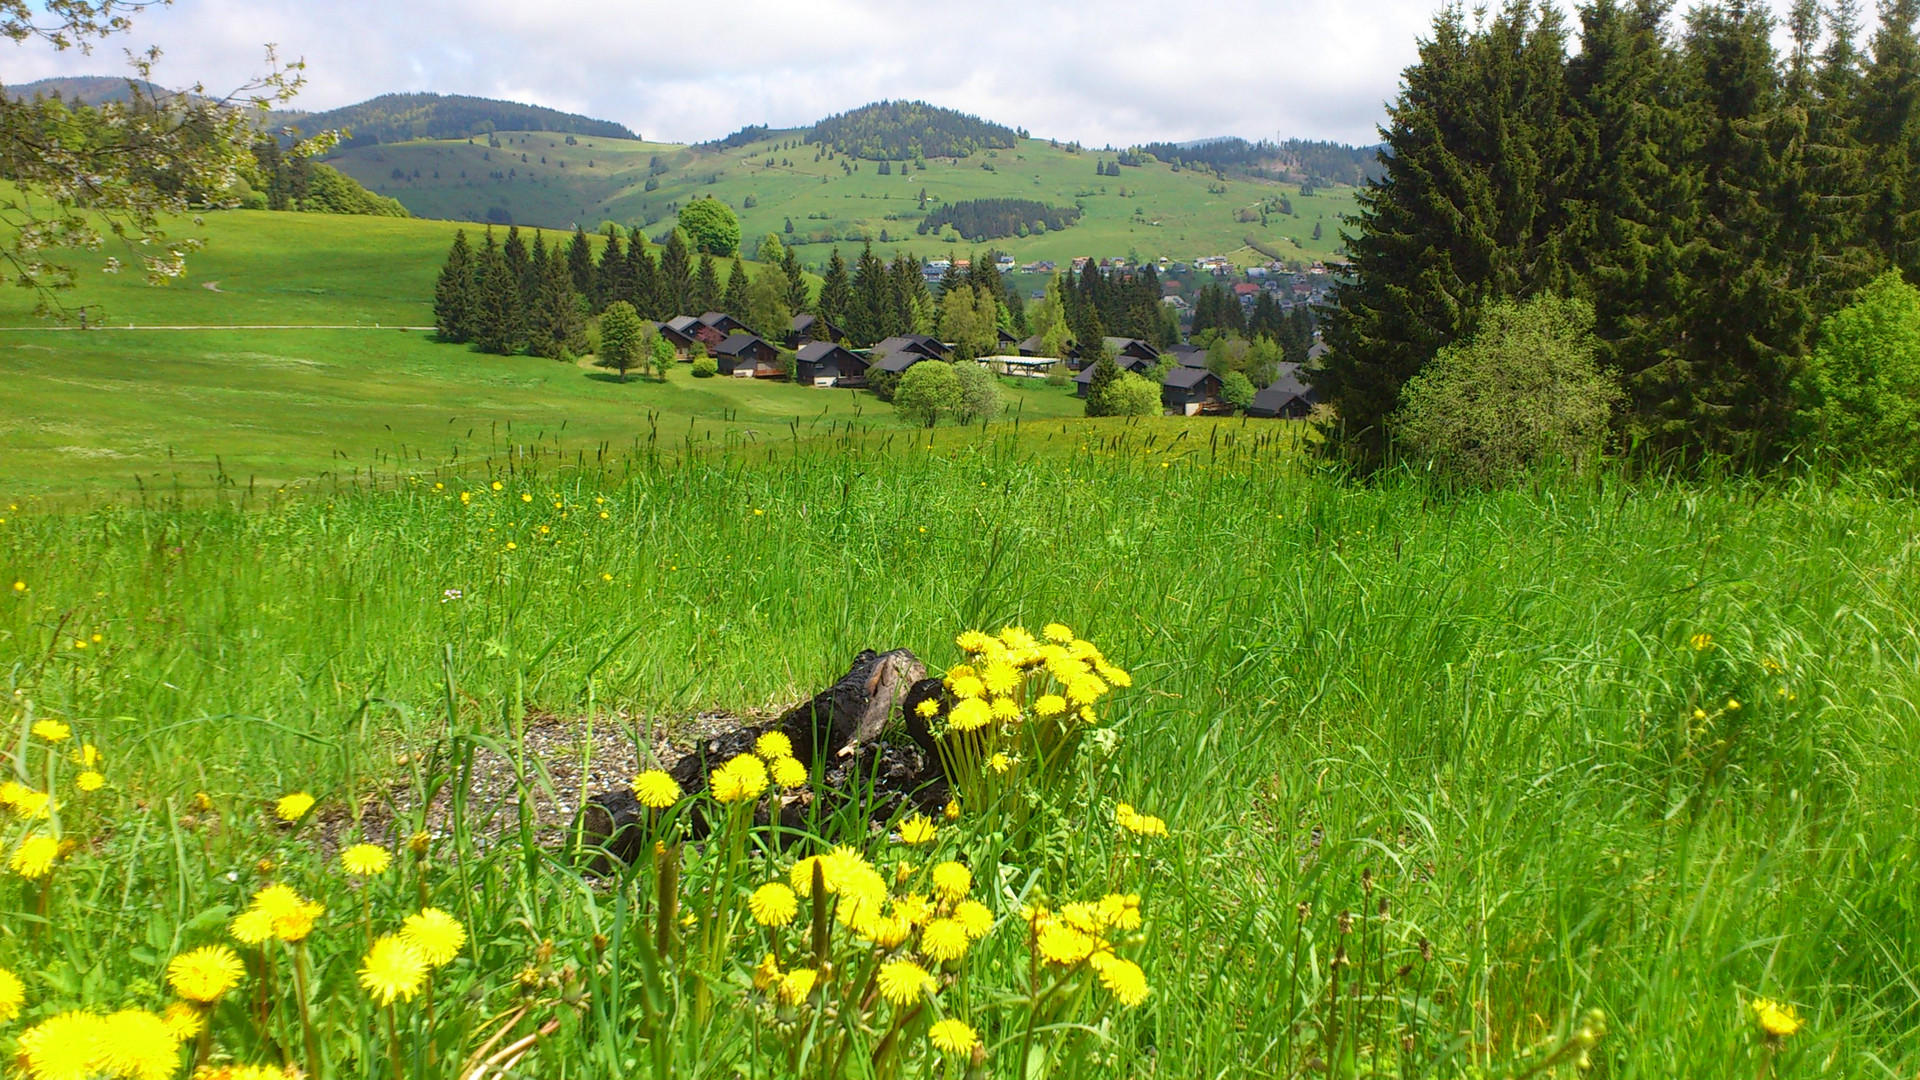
column 903, row 130
column 746, row 136
column 995, row 219
column 1299, row 160
column 400, row 117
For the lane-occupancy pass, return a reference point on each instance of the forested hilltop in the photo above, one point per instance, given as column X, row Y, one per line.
column 1706, row 199
column 392, row 118
column 904, row 130
column 1300, row 161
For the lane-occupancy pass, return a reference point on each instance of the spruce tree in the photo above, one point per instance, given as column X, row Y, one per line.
column 706, row 287
column 499, row 324
column 643, row 281
column 580, row 262
column 734, row 301
column 836, row 292
column 676, row 277
column 532, row 279
column 554, row 325
column 610, row 279
column 871, row 311
column 798, row 296
column 1889, row 127
column 515, row 252
column 1105, row 374
column 453, row 294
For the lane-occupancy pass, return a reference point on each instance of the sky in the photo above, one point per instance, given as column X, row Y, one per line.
column 1110, row 71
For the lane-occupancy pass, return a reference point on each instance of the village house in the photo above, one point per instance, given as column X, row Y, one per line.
column 680, row 339
column 1287, row 398
column 1186, row 391
column 746, row 356
column 825, row 363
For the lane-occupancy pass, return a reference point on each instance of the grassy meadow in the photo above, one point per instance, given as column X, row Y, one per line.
column 213, row 406
column 1151, row 210
column 1440, row 776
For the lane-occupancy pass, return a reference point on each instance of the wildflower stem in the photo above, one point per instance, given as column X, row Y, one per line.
column 302, row 981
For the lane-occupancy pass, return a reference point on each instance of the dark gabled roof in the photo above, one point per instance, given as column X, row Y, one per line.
column 1286, row 389
column 897, row 362
column 802, row 321
column 1192, row 356
column 1033, row 343
column 682, row 323
column 1318, row 350
column 738, row 343
column 1186, row 378
column 815, row 352
column 1122, row 344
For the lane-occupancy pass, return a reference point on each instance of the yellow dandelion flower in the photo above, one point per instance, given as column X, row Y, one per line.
column 970, row 715
column 887, row 933
column 184, row 1019
column 366, row 860
column 742, row 779
column 497, row 485
column 968, row 687
column 1085, row 689
column 1061, row 944
column 773, row 746
column 1000, row 678
column 88, row 756
column 1056, row 633
column 773, row 904
column 66, row 1047
column 138, row 1045
column 295, row 925
column 90, row 781
column 944, row 939
column 435, row 935
column 972, row 641
column 789, row 773
column 1006, row 710
column 797, row 984
column 13, row 995
column 52, row 730
column 655, row 790
column 202, row 801
column 1017, row 639
column 252, row 927
column 903, row 982
column 953, row 1038
column 1122, row 978
column 205, row 974
column 35, row 856
column 1115, row 676
column 1137, row 823
column 974, row 918
column 1701, row 642
column 1733, row 705
column 1083, row 917
column 919, row 829
column 928, row 709
column 951, row 880
column 952, row 812
column 1776, row 1020
column 1122, row 912
column 914, row 907
column 292, row 808
column 766, row 974
column 393, row 970
column 1050, row 706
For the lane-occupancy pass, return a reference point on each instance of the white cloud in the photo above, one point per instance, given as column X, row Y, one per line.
column 1117, row 71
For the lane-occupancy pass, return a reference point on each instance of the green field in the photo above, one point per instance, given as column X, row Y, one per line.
column 1598, row 745
column 1181, row 215
column 201, row 408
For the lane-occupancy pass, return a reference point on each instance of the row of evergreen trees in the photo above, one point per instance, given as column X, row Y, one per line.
column 1217, row 312
column 1120, row 302
column 1711, row 197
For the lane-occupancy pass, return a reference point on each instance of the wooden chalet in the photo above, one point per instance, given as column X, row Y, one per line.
column 1189, row 391
column 824, row 363
column 680, row 338
column 1289, row 398
column 808, row 328
column 746, row 356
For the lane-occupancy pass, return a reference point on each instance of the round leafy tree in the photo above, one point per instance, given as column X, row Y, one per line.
column 712, row 226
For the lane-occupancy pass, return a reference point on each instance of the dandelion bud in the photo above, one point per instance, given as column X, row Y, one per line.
column 1583, row 1062
column 418, row 843
column 264, row 867
column 202, row 801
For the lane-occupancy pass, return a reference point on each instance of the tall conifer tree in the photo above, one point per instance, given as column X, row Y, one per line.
column 610, row 279
column 706, row 287
column 1889, row 126
column 734, row 300
column 499, row 324
column 453, row 299
column 799, row 299
column 676, row 278
column 836, row 292
column 643, row 281
column 580, row 262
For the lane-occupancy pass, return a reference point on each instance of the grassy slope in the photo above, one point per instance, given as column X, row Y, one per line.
column 1164, row 213
column 1484, row 702
column 98, row 409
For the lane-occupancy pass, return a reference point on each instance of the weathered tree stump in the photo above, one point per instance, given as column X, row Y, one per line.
column 839, row 735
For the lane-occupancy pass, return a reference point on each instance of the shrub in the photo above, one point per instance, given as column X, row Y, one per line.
column 1133, row 395
column 1236, row 389
column 980, row 398
column 928, row 391
column 882, row 383
column 1524, row 389
column 705, row 367
column 1862, row 385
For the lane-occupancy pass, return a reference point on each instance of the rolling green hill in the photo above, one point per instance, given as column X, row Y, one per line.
column 536, row 178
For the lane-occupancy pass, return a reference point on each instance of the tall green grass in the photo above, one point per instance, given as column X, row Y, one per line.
column 1497, row 713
